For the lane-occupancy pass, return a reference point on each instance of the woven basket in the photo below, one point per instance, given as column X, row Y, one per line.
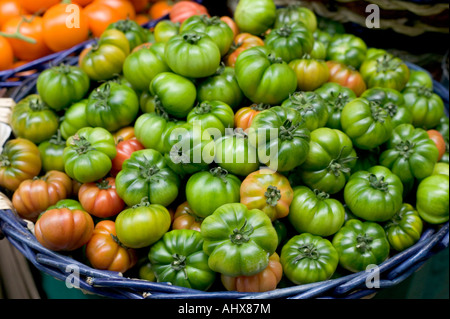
column 109, row 284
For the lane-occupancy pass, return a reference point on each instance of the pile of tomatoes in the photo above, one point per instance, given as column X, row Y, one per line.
column 33, row 29
column 357, row 168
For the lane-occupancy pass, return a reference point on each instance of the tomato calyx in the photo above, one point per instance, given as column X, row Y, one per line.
column 57, row 139
column 307, row 251
column 241, row 235
column 363, row 243
column 192, row 37
column 4, row 161
column 340, row 165
column 391, row 108
column 273, row 59
column 260, row 106
column 406, row 148
column 159, row 108
column 36, row 105
column 338, row 101
column 284, row 31
column 321, row 194
column 203, row 108
column 219, row 172
column 81, row 144
column 101, row 95
column 424, row 91
column 387, row 62
column 378, row 184
column 143, row 203
column 103, row 184
column 209, row 21
column 378, row 113
column 149, row 172
column 288, row 131
column 179, row 263
column 273, row 195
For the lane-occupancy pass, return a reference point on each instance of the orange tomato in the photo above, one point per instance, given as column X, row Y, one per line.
column 100, row 16
column 346, row 76
column 9, row 9
column 65, row 25
column 6, row 54
column 31, row 28
column 142, row 18
column 265, row 280
column 140, row 5
column 233, row 26
column 34, row 6
column 159, row 9
column 438, row 139
column 242, row 42
column 82, row 3
column 124, row 8
column 105, row 252
column 185, row 218
column 244, row 116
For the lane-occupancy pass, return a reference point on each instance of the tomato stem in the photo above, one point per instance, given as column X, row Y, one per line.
column 406, row 148
column 378, row 113
column 307, row 251
column 340, row 165
column 363, row 242
column 81, row 144
column 260, row 106
column 203, row 108
column 179, row 263
column 378, row 184
column 192, row 38
column 321, row 194
column 219, row 172
column 17, row 35
column 241, row 235
column 103, row 184
column 4, row 161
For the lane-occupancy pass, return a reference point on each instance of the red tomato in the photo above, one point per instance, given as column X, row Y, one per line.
column 159, row 9
column 65, row 25
column 101, row 199
column 346, row 76
column 438, row 139
column 62, row 229
column 185, row 9
column 124, row 150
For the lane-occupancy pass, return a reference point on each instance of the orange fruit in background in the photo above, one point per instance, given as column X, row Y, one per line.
column 100, row 16
column 65, row 25
column 123, row 8
column 9, row 9
column 31, row 28
column 6, row 54
column 34, row 6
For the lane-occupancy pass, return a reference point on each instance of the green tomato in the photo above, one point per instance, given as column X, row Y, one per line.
column 404, row 229
column 33, row 120
column 52, row 153
column 329, row 162
column 336, row 97
column 62, row 85
column 296, row 13
column 141, row 66
column 221, row 86
column 234, row 153
column 361, row 244
column 142, row 225
column 307, row 258
column 420, row 79
column 314, row 212
column 441, row 168
column 255, row 16
column 290, row 41
column 410, row 153
column 176, row 93
column 432, row 199
column 135, row 34
column 88, row 154
column 392, row 101
column 74, row 119
column 112, row 106
column 375, row 194
column 281, row 138
column 237, row 240
column 264, row 77
column 427, row 107
column 192, row 54
column 385, row 71
column 178, row 258
column 213, row 115
column 165, row 30
column 348, row 49
column 218, row 30
column 208, row 190
column 152, row 130
column 146, row 175
column 104, row 60
column 191, row 149
column 366, row 123
column 311, row 106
